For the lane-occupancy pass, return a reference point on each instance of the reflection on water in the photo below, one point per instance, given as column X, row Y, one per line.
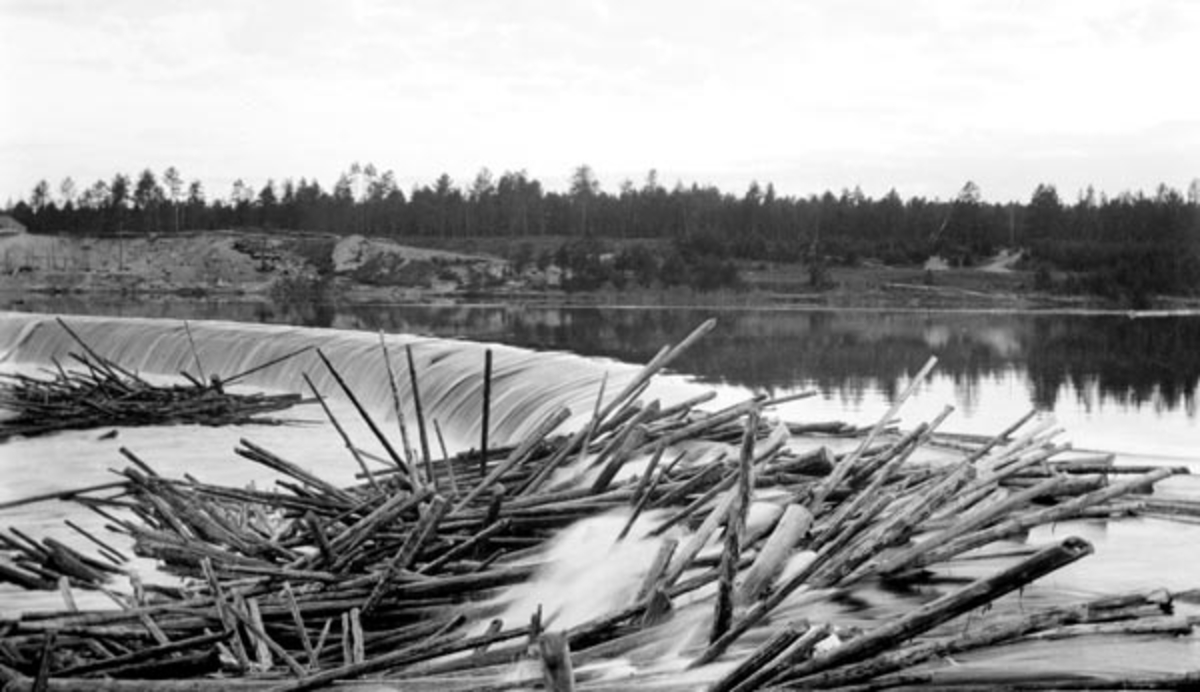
column 1148, row 362
column 1131, row 371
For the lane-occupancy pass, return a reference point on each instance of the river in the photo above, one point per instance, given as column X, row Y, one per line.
column 1124, row 383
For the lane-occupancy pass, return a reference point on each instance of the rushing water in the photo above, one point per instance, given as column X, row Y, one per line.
column 1115, row 382
column 1109, row 377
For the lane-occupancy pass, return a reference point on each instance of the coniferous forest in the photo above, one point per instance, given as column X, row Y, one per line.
column 1132, row 244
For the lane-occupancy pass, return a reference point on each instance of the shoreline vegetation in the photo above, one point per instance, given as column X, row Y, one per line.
column 37, row 269
column 509, row 240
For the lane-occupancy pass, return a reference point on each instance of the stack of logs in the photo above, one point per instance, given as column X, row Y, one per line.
column 392, row 579
column 100, row 392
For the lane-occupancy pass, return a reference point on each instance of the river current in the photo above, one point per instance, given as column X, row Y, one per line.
column 1116, row 383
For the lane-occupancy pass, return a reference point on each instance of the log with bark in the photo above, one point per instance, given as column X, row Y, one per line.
column 312, row 584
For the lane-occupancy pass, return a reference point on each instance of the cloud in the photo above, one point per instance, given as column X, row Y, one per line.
column 919, row 95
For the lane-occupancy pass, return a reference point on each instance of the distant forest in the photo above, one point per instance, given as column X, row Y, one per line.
column 1131, row 245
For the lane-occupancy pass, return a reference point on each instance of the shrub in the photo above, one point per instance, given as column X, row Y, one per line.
column 300, row 288
column 392, row 270
column 316, row 251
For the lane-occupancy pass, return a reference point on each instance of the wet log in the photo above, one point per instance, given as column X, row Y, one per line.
column 1017, row 682
column 645, row 491
column 422, row 432
column 844, row 466
column 433, row 647
column 665, row 358
column 407, row 451
column 485, row 416
column 547, row 467
column 980, row 592
column 362, row 412
column 964, row 525
column 467, row 546
column 143, row 655
column 404, row 577
column 762, row 656
column 735, row 529
column 61, row 494
column 695, row 542
column 1187, row 508
column 518, row 455
column 25, row 579
column 341, row 433
column 226, row 615
column 1166, row 625
column 1054, row 513
column 19, row 683
column 709, row 475
column 555, row 653
column 991, row 634
column 799, row 650
column 403, row 558
column 347, row 543
column 257, row 454
column 622, row 447
column 788, row 532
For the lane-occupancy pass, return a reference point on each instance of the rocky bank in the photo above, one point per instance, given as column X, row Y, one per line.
column 238, row 263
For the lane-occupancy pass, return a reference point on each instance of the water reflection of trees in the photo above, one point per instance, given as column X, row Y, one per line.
column 1095, row 358
column 1098, row 359
column 1129, row 361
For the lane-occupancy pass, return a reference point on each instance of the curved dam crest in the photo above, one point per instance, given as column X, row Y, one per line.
column 527, row 386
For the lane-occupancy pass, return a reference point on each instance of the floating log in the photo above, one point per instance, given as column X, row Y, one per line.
column 993, row 633
column 792, row 526
column 799, row 650
column 947, row 607
column 313, row 584
column 110, row 395
column 557, row 673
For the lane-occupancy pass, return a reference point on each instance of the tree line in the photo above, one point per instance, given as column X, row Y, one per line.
column 1147, row 243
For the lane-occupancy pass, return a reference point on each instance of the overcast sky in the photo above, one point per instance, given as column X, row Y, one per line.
column 917, row 95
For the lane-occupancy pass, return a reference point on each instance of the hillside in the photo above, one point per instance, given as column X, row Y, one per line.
column 321, row 268
column 225, row 262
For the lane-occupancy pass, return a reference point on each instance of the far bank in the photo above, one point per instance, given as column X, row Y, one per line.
column 281, row 268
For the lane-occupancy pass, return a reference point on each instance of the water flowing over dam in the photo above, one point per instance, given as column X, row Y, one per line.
column 583, row 551
column 526, row 386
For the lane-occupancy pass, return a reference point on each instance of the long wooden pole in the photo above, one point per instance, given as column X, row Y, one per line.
column 424, row 435
column 61, row 494
column 399, row 462
column 487, row 410
column 932, row 614
column 387, row 362
column 195, row 356
column 342, row 432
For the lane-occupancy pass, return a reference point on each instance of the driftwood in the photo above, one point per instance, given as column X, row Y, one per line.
column 105, row 394
column 313, row 584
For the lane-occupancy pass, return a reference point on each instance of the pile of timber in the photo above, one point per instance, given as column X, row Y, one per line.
column 391, row 580
column 101, row 393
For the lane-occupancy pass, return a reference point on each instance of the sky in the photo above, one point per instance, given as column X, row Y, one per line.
column 916, row 95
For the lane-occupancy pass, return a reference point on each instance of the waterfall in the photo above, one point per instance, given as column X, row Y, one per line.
column 526, row 385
